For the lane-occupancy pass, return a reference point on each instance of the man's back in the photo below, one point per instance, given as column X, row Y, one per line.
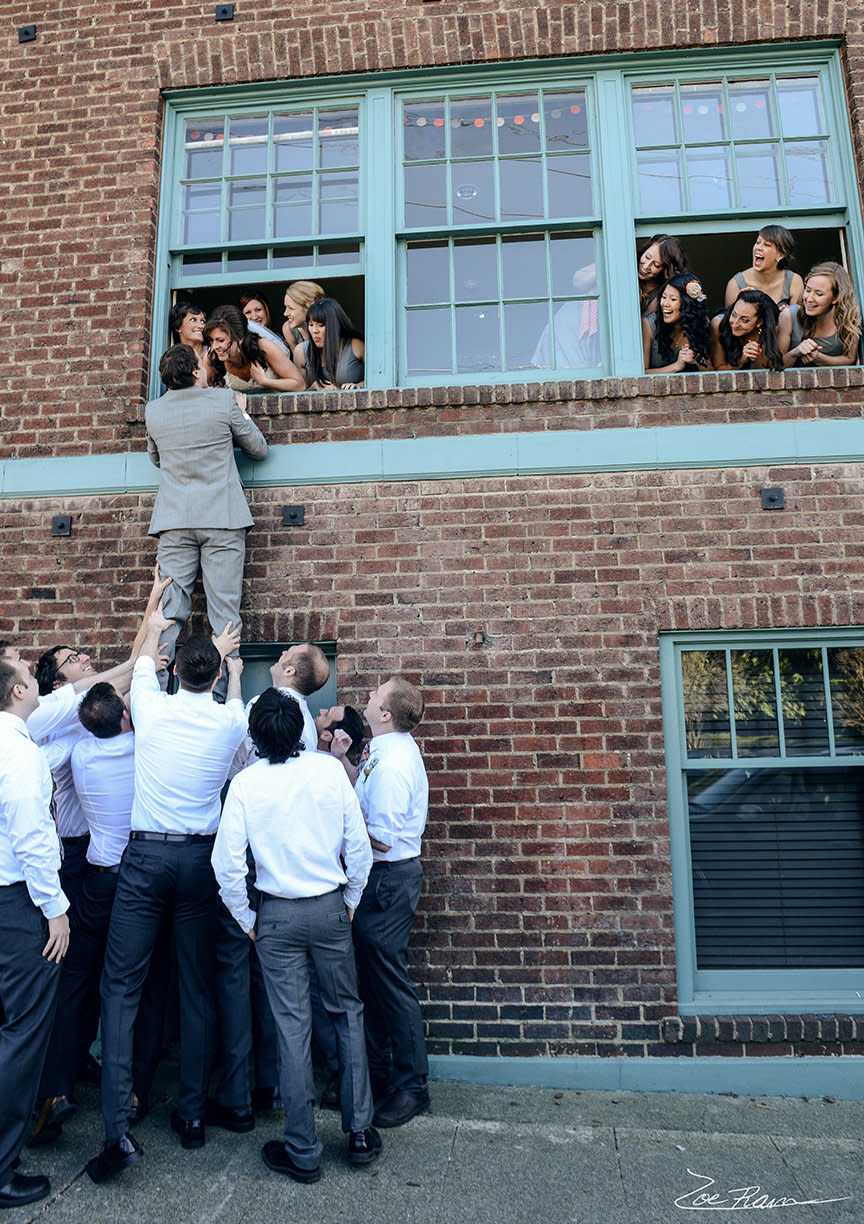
column 183, row 748
column 191, row 435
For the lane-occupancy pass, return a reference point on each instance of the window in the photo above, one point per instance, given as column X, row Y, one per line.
column 480, row 225
column 765, row 749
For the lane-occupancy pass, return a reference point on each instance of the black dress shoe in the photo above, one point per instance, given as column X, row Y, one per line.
column 117, row 1155
column 21, row 1189
column 229, row 1118
column 266, row 1099
column 276, row 1158
column 138, row 1108
column 400, row 1107
column 330, row 1097
column 191, row 1130
column 364, row 1145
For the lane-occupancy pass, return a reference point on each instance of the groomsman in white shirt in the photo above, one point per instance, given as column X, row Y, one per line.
column 183, row 748
column 394, row 796
column 297, row 812
column 34, row 925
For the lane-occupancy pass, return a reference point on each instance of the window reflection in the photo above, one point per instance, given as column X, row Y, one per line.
column 248, row 145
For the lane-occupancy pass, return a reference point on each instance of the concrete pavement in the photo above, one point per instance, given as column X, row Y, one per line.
column 488, row 1156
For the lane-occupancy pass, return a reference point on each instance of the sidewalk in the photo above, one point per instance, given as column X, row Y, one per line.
column 496, row 1155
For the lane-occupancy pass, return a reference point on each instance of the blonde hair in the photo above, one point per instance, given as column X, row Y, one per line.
column 304, row 293
column 847, row 312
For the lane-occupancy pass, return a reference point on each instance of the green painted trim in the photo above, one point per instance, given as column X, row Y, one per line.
column 460, row 458
column 842, row 1078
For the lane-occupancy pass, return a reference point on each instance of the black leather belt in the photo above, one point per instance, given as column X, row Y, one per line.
column 174, row 839
column 101, row 867
column 76, row 841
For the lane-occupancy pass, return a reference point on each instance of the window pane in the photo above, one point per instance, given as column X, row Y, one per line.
column 706, row 703
column 475, row 271
column 426, row 195
column 523, row 323
column 574, row 339
column 566, row 121
column 710, row 179
column 809, row 173
column 752, row 110
column 428, row 266
column 294, row 221
column 246, row 261
column 802, row 690
column 660, row 182
column 846, row 670
column 300, row 257
column 293, row 138
column 523, row 265
column 470, row 127
column 245, row 224
column 201, row 227
column 203, row 146
column 473, row 192
column 801, row 111
column 248, row 146
column 428, row 337
column 248, row 192
column 518, row 124
column 702, row 113
column 654, row 115
column 521, row 189
column 347, row 254
column 759, row 178
column 202, row 265
column 477, row 341
column 570, row 185
column 778, row 868
column 425, row 133
column 202, row 195
column 573, row 266
column 756, row 727
column 338, row 136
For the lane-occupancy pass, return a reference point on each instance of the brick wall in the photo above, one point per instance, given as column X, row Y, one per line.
column 529, row 609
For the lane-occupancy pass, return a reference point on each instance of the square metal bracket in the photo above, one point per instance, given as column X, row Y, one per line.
column 293, row 516
column 27, row 33
column 61, row 525
column 772, row 499
column 224, row 12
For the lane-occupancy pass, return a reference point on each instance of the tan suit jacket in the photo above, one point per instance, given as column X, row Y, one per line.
column 191, row 435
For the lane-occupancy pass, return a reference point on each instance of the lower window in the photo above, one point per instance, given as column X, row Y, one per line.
column 765, row 748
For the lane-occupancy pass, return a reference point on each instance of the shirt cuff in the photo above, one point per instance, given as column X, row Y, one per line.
column 351, row 896
column 55, row 907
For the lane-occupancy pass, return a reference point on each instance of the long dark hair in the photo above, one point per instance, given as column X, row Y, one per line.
column 234, row 322
column 674, row 261
column 321, row 364
column 694, row 321
column 768, row 315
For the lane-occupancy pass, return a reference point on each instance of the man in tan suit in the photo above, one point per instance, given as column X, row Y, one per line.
column 200, row 517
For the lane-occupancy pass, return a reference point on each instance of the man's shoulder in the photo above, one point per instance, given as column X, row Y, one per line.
column 200, row 399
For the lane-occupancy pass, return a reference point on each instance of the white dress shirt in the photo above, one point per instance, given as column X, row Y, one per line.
column 394, row 795
column 183, row 748
column 104, row 775
column 56, row 713
column 68, row 813
column 246, row 754
column 300, row 819
column 29, row 846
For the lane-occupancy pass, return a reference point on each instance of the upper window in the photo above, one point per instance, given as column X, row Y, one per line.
column 481, row 224
column 765, row 748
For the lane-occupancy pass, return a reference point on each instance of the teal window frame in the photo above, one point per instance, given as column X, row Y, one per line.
column 615, row 224
column 740, row 991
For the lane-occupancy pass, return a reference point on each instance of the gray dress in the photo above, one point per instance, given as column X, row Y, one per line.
column 349, row 368
column 787, row 285
column 831, row 345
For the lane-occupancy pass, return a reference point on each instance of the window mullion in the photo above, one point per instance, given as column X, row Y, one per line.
column 379, row 168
